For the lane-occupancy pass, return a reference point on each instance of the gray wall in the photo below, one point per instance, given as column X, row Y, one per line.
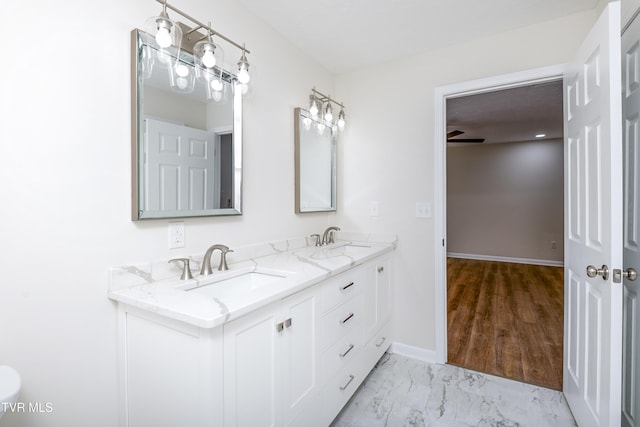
column 506, row 200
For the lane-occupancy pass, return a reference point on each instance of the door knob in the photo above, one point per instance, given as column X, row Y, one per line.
column 593, row 272
column 630, row 273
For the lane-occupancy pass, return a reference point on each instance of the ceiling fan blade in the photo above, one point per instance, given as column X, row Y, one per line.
column 454, row 133
column 477, row 140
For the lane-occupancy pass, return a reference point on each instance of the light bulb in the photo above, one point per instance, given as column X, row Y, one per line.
column 217, row 96
column 314, row 108
column 163, row 37
column 216, row 85
column 182, row 83
column 341, row 121
column 182, row 70
column 307, row 123
column 243, row 76
column 328, row 116
column 208, row 59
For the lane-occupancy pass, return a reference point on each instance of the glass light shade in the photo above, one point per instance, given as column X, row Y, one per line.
column 341, row 121
column 328, row 112
column 164, row 31
column 313, row 109
column 243, row 69
column 208, row 54
column 182, row 77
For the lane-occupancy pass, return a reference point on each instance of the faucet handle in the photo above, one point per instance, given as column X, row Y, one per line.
column 223, row 258
column 186, row 271
column 317, row 237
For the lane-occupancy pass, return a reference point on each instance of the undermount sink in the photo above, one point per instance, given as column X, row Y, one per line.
column 239, row 284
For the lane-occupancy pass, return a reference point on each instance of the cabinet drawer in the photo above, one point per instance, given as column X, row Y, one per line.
column 344, row 319
column 339, row 390
column 377, row 345
column 339, row 355
column 339, row 289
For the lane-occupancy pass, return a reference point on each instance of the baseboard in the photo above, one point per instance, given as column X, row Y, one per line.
column 412, row 352
column 550, row 263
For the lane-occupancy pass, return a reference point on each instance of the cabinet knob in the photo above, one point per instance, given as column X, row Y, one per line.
column 287, row 323
column 380, row 269
column 279, row 326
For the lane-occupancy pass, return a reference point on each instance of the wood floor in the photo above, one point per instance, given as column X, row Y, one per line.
column 506, row 319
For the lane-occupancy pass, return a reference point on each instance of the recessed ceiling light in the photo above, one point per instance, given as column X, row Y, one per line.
column 541, row 135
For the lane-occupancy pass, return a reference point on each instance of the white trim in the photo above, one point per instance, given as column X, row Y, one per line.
column 532, row 261
column 538, row 75
column 412, row 352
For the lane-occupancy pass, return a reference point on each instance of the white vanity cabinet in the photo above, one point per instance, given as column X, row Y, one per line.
column 295, row 361
column 171, row 372
column 271, row 364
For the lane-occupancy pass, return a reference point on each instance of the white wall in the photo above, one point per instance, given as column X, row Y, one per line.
column 65, row 186
column 388, row 150
column 506, row 200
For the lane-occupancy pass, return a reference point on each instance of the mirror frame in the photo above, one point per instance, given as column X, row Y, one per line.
column 136, row 145
column 299, row 114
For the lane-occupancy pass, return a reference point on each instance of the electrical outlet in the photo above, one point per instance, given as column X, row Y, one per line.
column 374, row 208
column 176, row 235
column 423, row 210
column 554, row 244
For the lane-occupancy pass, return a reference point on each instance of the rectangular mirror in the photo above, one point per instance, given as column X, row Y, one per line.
column 315, row 163
column 186, row 136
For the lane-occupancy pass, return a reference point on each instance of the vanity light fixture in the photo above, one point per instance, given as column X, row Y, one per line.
column 208, row 55
column 321, row 102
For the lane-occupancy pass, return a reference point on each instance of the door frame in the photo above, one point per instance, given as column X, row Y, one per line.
column 442, row 93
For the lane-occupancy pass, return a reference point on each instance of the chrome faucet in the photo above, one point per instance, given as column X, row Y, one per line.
column 206, row 261
column 328, row 235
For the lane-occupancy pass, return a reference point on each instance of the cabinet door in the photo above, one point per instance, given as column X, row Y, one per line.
column 384, row 290
column 300, row 372
column 251, row 369
column 378, row 295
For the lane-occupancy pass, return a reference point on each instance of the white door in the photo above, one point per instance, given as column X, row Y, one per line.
column 593, row 226
column 178, row 168
column 631, row 234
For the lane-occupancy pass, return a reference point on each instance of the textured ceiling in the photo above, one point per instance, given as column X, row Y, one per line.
column 347, row 35
column 511, row 115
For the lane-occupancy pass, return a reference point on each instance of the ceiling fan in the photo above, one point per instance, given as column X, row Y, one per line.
column 454, row 133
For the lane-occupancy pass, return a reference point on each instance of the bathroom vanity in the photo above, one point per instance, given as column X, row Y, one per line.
column 283, row 338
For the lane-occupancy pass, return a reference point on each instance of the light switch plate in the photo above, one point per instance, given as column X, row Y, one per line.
column 176, row 235
column 423, row 210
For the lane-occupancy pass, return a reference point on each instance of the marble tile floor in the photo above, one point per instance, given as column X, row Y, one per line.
column 405, row 392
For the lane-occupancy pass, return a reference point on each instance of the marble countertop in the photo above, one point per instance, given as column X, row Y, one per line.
column 282, row 268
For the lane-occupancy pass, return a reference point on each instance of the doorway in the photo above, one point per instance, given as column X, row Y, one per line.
column 532, row 77
column 505, row 228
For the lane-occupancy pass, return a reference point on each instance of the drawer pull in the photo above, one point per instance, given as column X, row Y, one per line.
column 346, row 319
column 382, row 340
column 345, row 287
column 279, row 326
column 342, row 387
column 347, row 351
column 287, row 323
